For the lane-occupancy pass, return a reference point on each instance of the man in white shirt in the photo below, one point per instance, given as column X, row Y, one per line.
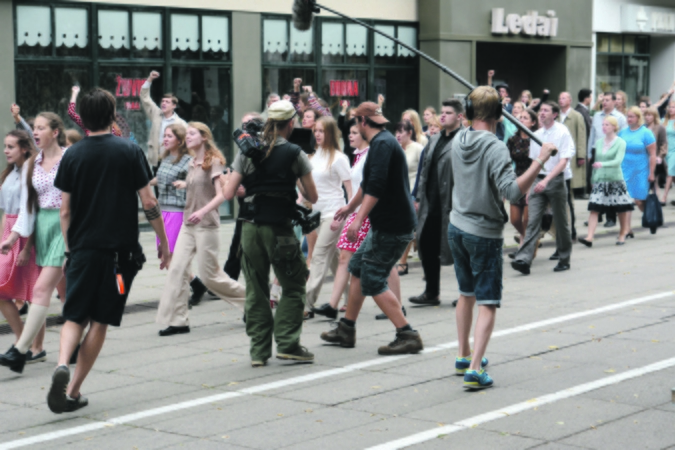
column 549, row 188
column 608, row 108
column 161, row 117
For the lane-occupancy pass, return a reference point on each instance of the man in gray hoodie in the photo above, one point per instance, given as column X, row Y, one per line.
column 482, row 175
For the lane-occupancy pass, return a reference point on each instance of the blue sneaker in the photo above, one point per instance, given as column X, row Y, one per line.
column 462, row 364
column 477, row 380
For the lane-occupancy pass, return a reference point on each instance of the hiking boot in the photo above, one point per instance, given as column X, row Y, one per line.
column 57, row 399
column 198, row 291
column 300, row 354
column 406, row 342
column 13, row 359
column 73, row 404
column 341, row 334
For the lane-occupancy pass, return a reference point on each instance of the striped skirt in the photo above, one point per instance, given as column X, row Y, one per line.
column 49, row 244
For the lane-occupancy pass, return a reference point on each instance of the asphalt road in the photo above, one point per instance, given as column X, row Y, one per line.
column 581, row 359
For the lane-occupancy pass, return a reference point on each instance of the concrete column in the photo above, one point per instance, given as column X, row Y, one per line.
column 7, row 93
column 246, row 64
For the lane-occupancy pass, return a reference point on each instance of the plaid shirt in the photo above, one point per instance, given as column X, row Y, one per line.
column 167, row 173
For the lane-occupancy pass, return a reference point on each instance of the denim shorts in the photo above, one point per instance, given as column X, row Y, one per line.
column 375, row 258
column 478, row 265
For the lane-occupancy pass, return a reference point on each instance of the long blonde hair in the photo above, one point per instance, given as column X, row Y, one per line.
column 667, row 117
column 179, row 131
column 417, row 124
column 624, row 97
column 211, row 150
column 331, row 138
column 655, row 114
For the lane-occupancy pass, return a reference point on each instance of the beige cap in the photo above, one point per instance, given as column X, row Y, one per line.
column 281, row 110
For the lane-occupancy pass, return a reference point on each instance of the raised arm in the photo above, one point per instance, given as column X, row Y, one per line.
column 150, row 107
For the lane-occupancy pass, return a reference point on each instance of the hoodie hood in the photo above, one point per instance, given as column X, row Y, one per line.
column 472, row 144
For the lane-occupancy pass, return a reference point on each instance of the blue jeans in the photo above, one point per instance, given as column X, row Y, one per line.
column 478, row 265
column 375, row 258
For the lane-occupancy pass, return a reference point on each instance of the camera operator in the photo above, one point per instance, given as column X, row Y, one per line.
column 270, row 174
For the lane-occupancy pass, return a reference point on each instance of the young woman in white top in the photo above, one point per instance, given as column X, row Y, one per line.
column 348, row 248
column 39, row 213
column 330, row 173
column 406, row 135
column 18, row 271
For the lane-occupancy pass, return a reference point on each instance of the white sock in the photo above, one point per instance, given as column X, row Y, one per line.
column 36, row 317
column 275, row 292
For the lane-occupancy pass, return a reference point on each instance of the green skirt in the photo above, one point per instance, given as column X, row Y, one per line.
column 49, row 244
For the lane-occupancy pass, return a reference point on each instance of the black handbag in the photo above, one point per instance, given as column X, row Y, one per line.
column 653, row 215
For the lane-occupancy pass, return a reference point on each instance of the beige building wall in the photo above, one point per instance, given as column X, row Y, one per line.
column 368, row 9
column 6, row 68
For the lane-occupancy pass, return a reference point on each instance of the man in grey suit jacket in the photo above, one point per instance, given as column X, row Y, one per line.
column 434, row 201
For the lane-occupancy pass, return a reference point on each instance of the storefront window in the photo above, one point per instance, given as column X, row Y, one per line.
column 34, row 30
column 147, row 32
column 184, row 36
column 72, row 35
column 281, row 80
column 113, row 34
column 623, row 64
column 399, row 87
column 302, row 46
column 408, row 35
column 357, row 44
column 350, row 85
column 46, row 87
column 275, row 37
column 215, row 38
column 332, row 42
column 385, row 50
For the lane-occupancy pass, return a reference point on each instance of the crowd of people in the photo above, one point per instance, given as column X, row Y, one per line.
column 438, row 184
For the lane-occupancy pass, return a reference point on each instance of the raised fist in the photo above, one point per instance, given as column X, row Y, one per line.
column 307, row 89
column 491, row 73
column 15, row 110
column 153, row 75
column 297, row 82
column 380, row 99
column 75, row 90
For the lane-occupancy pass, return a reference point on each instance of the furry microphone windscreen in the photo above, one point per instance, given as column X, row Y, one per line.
column 303, row 14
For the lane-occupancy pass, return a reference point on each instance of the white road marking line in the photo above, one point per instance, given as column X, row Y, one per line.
column 523, row 406
column 310, row 377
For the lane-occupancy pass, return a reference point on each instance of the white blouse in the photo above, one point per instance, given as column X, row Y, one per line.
column 10, row 192
column 357, row 171
column 49, row 197
column 329, row 181
column 412, row 155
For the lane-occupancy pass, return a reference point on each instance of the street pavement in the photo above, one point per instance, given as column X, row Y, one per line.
column 582, row 359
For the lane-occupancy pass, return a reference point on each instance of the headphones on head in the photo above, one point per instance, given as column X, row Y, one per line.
column 470, row 113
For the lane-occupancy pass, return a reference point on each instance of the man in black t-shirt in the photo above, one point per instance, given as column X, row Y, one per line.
column 100, row 178
column 384, row 197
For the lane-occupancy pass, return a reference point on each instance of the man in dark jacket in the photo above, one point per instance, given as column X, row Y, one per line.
column 434, row 202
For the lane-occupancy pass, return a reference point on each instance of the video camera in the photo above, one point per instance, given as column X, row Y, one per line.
column 249, row 140
column 306, row 219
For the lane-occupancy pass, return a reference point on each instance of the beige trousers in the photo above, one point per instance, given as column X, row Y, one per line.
column 325, row 256
column 204, row 243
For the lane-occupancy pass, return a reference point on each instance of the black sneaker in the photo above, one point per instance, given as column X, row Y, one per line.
column 300, row 354
column 341, row 334
column 609, row 224
column 198, row 291
column 555, row 256
column 13, row 359
column 383, row 316
column 30, row 358
column 73, row 404
column 521, row 266
column 170, row 331
column 24, row 309
column 424, row 300
column 406, row 342
column 326, row 310
column 57, row 399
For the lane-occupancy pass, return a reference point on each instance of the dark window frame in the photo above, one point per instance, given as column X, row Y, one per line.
column 623, row 55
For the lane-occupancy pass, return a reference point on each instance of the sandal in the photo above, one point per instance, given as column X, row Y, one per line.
column 402, row 269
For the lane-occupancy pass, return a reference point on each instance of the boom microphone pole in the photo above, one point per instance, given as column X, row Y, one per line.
column 303, row 15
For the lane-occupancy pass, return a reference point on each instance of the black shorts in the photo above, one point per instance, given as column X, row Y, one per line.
column 91, row 287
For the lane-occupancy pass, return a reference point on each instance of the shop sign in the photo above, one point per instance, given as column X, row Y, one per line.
column 531, row 24
column 647, row 19
column 129, row 87
column 344, row 88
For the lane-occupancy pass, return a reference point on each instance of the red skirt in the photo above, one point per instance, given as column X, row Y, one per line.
column 345, row 244
column 16, row 283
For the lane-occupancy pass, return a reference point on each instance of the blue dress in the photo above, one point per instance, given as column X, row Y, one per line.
column 635, row 165
column 670, row 157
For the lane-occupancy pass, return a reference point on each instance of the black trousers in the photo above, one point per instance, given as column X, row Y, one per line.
column 430, row 250
column 233, row 264
column 570, row 201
